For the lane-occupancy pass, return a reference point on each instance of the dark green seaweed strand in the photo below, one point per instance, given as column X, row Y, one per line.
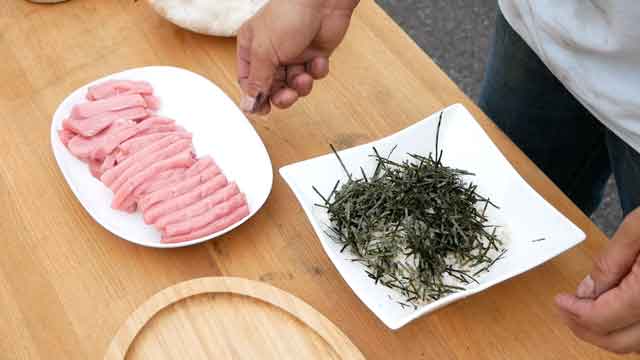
column 411, row 223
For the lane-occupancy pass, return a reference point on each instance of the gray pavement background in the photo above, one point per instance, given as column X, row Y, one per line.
column 457, row 35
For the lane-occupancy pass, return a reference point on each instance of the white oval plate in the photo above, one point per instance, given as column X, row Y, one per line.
column 524, row 214
column 219, row 129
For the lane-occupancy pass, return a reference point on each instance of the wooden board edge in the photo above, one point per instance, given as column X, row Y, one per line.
column 285, row 301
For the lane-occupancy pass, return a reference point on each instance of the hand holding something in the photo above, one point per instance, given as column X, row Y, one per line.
column 606, row 308
column 285, row 47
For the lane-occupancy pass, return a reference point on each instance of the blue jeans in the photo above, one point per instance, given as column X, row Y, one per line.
column 563, row 138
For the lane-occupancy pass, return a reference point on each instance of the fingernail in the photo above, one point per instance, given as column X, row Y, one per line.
column 247, row 103
column 586, row 289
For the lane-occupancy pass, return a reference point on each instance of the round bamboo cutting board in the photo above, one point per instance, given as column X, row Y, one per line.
column 228, row 318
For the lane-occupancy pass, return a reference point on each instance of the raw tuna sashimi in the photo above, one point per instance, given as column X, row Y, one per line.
column 153, row 103
column 65, row 136
column 117, row 137
column 211, row 215
column 82, row 147
column 177, row 189
column 110, row 176
column 115, row 103
column 175, row 204
column 212, row 228
column 149, row 162
column 94, row 124
column 199, row 207
column 117, row 87
column 184, row 159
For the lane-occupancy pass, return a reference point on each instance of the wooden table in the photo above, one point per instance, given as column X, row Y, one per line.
column 66, row 284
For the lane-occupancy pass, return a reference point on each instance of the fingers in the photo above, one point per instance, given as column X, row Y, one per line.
column 606, row 308
column 259, row 82
column 303, row 84
column 301, row 77
column 318, row 67
column 616, row 261
column 611, row 311
column 262, row 79
column 257, row 67
column 299, row 80
column 289, row 86
column 293, row 71
column 243, row 53
column 624, row 341
column 281, row 74
column 284, row 98
column 279, row 81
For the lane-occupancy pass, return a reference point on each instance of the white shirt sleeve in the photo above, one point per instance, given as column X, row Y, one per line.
column 593, row 48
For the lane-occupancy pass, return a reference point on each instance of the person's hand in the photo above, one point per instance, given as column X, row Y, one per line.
column 605, row 310
column 285, row 47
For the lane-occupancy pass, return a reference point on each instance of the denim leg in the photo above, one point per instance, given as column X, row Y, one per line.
column 541, row 117
column 625, row 162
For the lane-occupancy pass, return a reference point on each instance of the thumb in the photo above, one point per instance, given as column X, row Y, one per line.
column 573, row 306
column 257, row 64
column 616, row 260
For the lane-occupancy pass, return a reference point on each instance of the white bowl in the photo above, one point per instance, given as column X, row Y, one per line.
column 524, row 215
column 219, row 129
column 218, row 18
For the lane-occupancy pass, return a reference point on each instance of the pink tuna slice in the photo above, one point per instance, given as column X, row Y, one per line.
column 202, row 163
column 210, row 216
column 161, row 123
column 138, row 143
column 143, row 162
column 110, row 176
column 121, row 102
column 108, row 163
column 165, row 177
column 198, row 193
column 82, row 147
column 65, row 136
column 94, row 167
column 153, row 121
column 93, row 125
column 174, row 129
column 130, row 205
column 162, row 179
column 163, row 129
column 212, row 228
column 199, row 207
column 159, row 181
column 111, row 88
column 113, row 140
column 120, row 155
column 153, row 103
column 177, row 189
column 172, row 176
column 184, row 159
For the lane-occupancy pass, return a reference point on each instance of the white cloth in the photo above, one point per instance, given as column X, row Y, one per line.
column 593, row 47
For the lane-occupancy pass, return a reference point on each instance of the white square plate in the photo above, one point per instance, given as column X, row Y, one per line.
column 524, row 215
column 219, row 129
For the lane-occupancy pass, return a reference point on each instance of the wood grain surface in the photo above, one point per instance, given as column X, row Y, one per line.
column 66, row 284
column 226, row 317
